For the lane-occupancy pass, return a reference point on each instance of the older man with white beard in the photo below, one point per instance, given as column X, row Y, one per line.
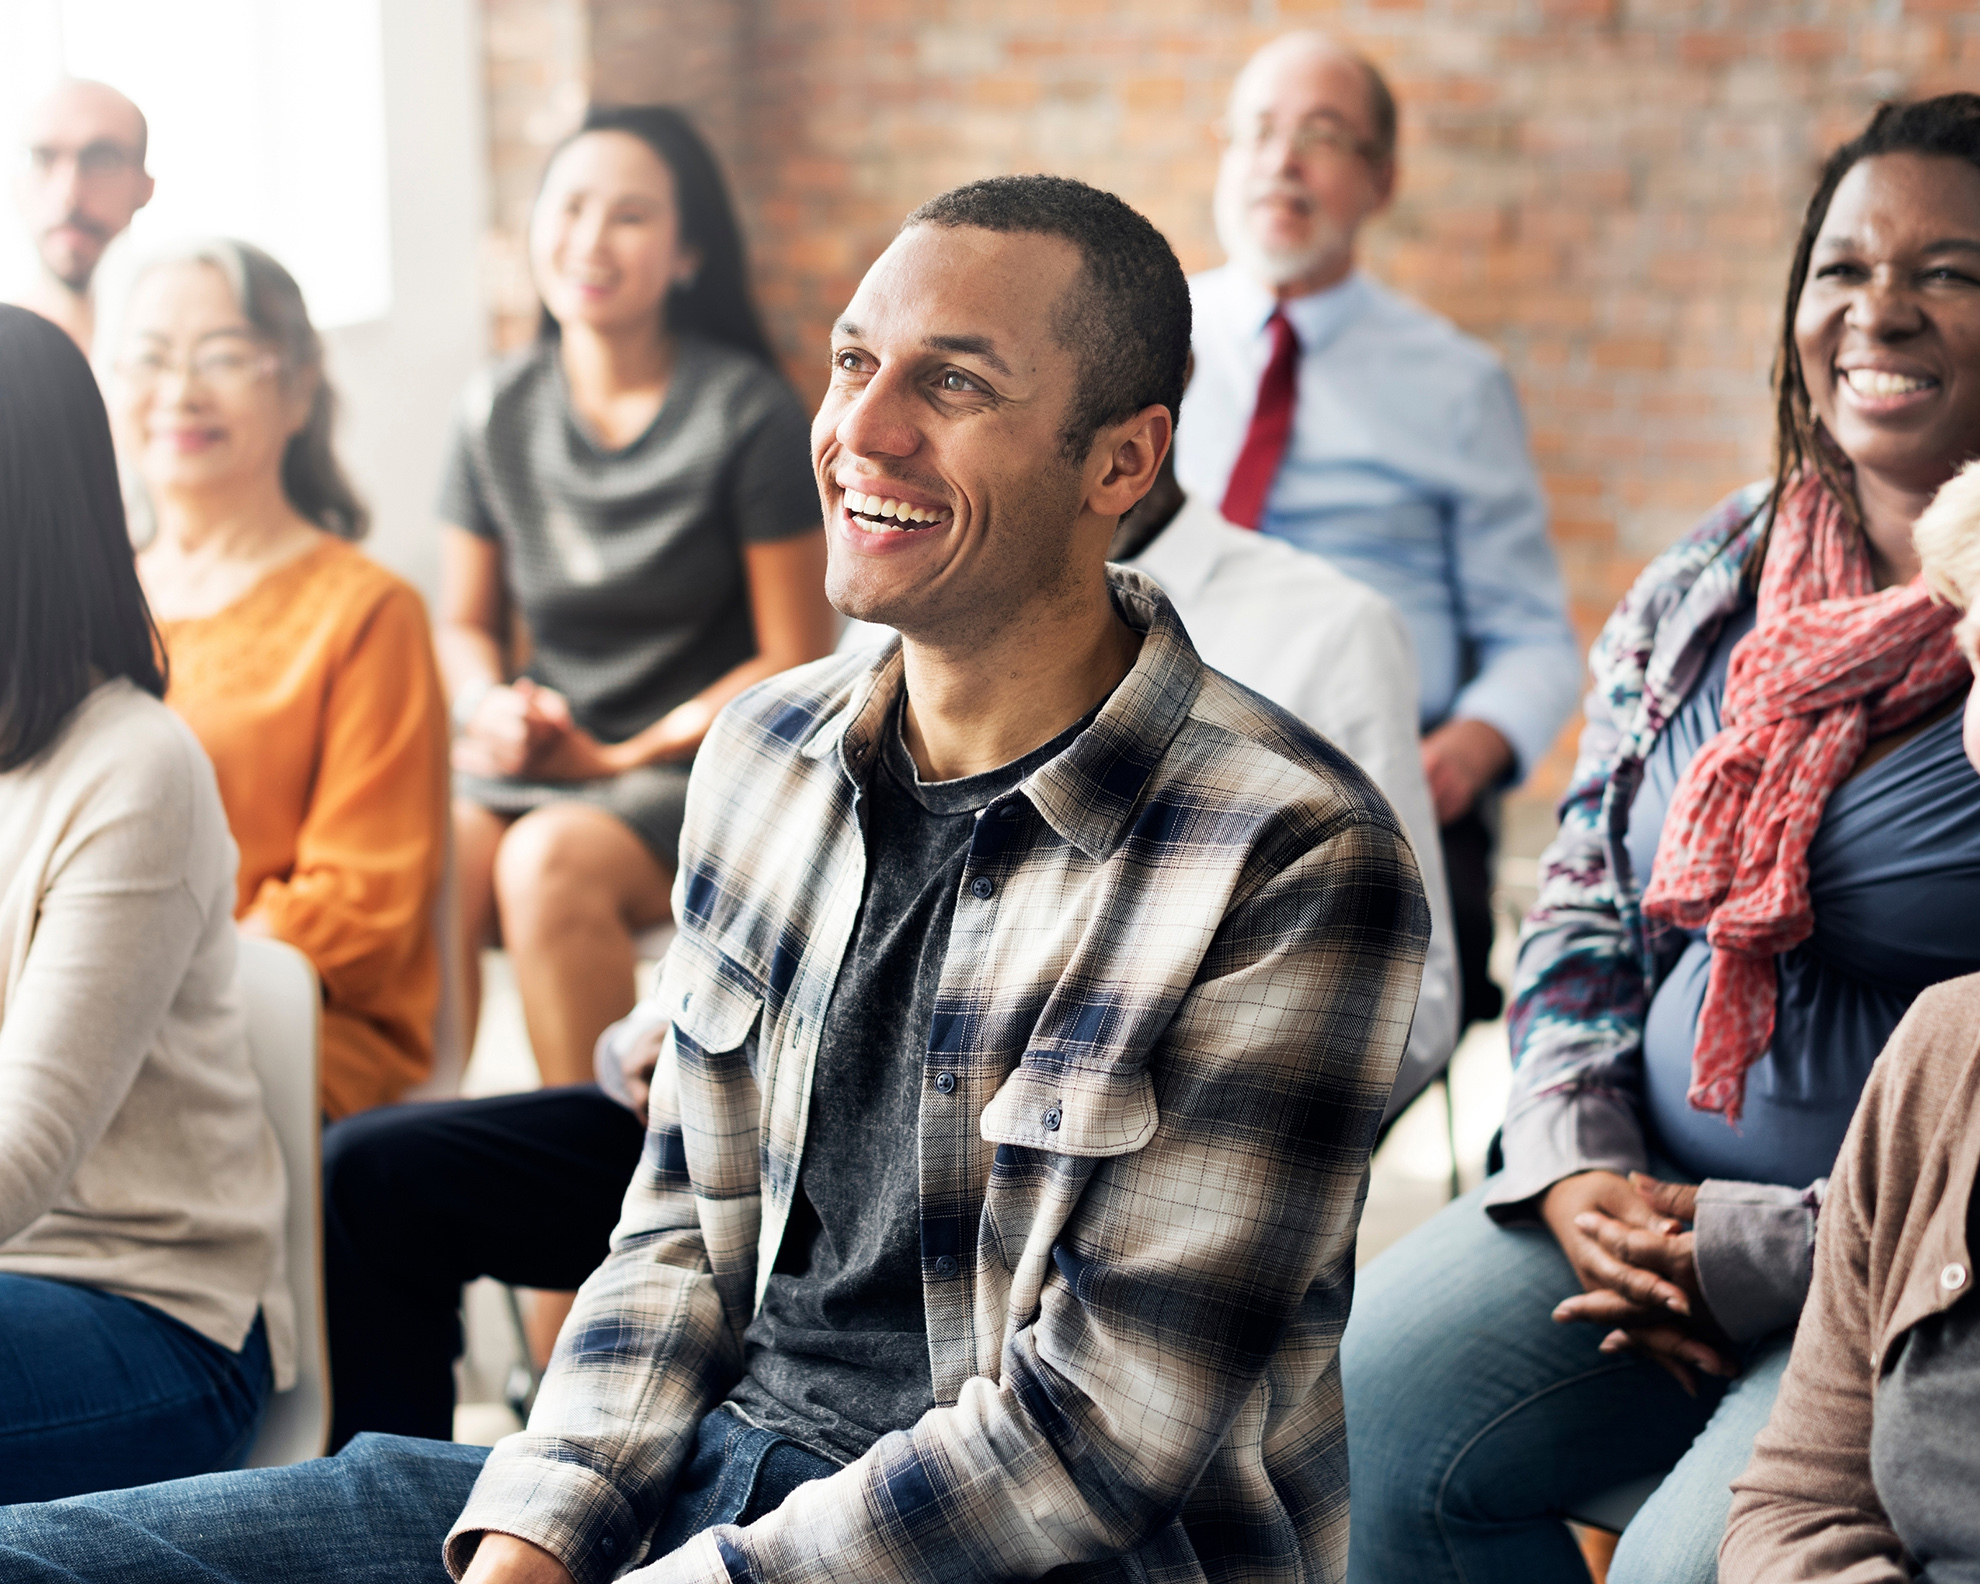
column 1332, row 413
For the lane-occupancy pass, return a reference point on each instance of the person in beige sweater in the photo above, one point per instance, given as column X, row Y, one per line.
column 144, row 1314
column 1868, row 1469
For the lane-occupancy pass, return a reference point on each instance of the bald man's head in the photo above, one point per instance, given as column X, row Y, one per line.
column 1311, row 155
column 1309, row 51
column 84, row 178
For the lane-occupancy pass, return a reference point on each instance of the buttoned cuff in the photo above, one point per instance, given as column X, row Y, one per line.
column 1556, row 1134
column 708, row 1558
column 1755, row 1250
column 572, row 1512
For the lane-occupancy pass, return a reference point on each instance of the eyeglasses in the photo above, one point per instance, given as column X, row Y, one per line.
column 1307, row 139
column 222, row 369
column 97, row 161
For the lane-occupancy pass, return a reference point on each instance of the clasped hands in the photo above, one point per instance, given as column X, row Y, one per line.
column 526, row 730
column 1627, row 1241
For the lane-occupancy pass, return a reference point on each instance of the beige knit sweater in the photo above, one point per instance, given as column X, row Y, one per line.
column 134, row 1152
column 1890, row 1251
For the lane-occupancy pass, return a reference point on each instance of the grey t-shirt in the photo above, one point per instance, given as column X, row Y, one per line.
column 1925, row 1437
column 838, row 1354
column 627, row 565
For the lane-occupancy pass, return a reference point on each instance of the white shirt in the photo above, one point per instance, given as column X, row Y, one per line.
column 1289, row 626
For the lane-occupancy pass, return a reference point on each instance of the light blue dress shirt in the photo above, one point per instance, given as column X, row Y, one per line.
column 1407, row 469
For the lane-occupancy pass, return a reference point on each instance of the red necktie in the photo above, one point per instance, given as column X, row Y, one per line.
column 1271, row 427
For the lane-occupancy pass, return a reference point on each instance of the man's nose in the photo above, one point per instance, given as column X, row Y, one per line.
column 880, row 419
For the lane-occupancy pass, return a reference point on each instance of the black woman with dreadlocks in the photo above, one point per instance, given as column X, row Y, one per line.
column 1771, row 846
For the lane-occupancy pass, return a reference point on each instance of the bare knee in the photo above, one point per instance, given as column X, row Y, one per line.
column 554, row 870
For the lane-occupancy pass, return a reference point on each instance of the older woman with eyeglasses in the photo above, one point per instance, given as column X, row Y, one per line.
column 305, row 669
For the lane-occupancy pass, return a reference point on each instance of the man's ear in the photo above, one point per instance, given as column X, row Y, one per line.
column 1127, row 458
column 1384, row 176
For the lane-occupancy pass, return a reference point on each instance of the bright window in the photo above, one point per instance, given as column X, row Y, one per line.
column 267, row 123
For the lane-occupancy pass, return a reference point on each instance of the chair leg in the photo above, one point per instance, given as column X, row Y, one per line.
column 1450, row 1130
column 519, row 1390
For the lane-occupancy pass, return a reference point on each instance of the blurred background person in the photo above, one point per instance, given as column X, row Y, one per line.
column 636, row 487
column 82, row 180
column 1867, row 1468
column 1770, row 847
column 144, row 1314
column 1330, row 412
column 305, row 668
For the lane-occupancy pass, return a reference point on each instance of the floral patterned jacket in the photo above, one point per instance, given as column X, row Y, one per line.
column 1587, row 957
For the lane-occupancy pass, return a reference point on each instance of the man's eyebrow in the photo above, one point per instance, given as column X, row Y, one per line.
column 972, row 346
column 968, row 345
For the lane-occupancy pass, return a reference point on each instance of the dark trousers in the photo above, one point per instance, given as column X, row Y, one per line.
column 419, row 1199
column 1471, row 843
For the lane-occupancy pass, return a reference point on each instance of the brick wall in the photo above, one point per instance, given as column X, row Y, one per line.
column 1607, row 192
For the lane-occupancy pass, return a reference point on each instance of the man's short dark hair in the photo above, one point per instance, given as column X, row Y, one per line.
column 1126, row 320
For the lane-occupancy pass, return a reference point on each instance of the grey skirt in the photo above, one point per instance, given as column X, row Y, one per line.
column 649, row 800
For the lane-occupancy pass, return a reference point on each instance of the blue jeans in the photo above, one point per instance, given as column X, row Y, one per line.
column 377, row 1511
column 98, row 1392
column 1475, row 1420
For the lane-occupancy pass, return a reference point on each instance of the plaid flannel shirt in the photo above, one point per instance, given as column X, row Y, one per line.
column 1178, row 984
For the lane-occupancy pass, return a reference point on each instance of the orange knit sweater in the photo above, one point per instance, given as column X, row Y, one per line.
column 317, row 698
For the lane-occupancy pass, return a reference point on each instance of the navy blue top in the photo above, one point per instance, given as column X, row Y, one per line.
column 1894, row 876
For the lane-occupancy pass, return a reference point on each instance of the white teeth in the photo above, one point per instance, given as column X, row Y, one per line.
column 1879, row 382
column 879, row 507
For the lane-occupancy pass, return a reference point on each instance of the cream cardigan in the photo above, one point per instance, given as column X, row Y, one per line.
column 134, row 1152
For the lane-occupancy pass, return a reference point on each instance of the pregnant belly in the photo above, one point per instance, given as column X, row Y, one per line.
column 1799, row 1096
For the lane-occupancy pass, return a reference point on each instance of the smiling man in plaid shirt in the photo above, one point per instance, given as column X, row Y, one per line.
column 1036, row 998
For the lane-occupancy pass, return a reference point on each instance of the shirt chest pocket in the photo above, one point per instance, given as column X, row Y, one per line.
column 1086, row 1112
column 1054, row 1127
column 713, row 1004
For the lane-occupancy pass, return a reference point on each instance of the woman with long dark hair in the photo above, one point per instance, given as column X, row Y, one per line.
column 144, row 1314
column 637, row 488
column 1770, row 847
column 305, row 668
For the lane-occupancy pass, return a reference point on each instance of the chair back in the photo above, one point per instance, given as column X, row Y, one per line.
column 453, row 1041
column 284, row 1027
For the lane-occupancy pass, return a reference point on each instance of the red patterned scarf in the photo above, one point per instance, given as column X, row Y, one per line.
column 1829, row 666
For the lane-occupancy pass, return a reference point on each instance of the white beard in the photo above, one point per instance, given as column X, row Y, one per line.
column 1272, row 266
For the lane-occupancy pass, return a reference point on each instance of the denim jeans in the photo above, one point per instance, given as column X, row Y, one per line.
column 1475, row 1420
column 377, row 1511
column 98, row 1391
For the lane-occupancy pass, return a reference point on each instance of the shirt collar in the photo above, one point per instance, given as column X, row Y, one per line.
column 1087, row 792
column 1183, row 557
column 1316, row 318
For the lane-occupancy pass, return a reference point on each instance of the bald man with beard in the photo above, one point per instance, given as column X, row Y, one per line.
column 82, row 181
column 1334, row 414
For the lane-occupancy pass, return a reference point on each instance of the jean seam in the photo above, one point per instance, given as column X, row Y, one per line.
column 1486, row 1429
column 122, row 1411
